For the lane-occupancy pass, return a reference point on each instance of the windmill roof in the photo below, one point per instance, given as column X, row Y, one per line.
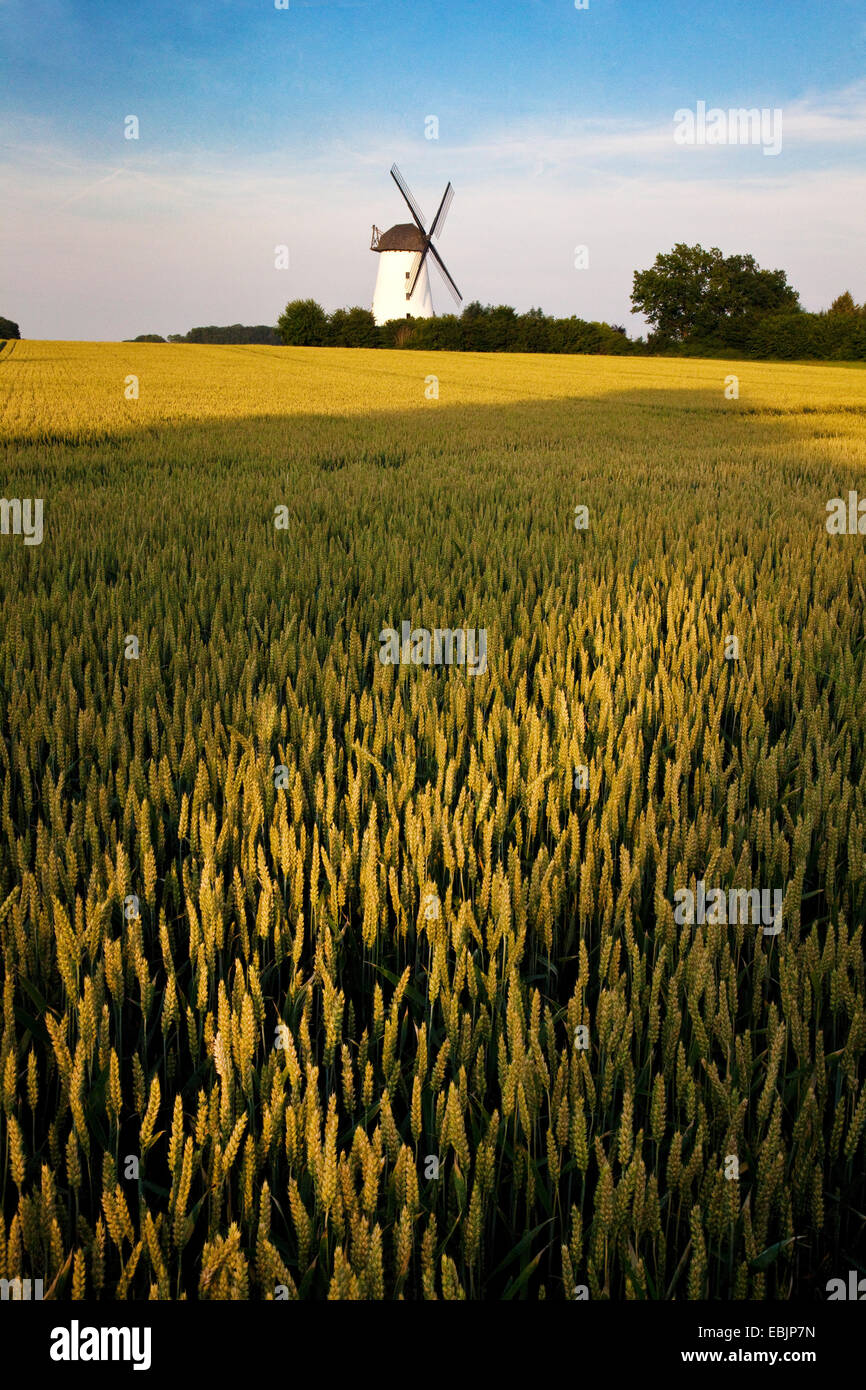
column 404, row 237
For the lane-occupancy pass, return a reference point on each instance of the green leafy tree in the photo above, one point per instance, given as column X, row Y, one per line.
column 337, row 328
column 691, row 293
column 502, row 327
column 361, row 328
column 352, row 328
column 235, row 333
column 671, row 293
column 533, row 332
column 741, row 294
column 449, row 334
column 303, row 323
column 475, row 322
column 8, row 329
column 436, row 334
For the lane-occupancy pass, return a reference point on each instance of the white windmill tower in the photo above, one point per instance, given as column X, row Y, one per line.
column 402, row 284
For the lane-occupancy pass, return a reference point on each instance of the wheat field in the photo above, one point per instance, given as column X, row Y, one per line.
column 324, row 978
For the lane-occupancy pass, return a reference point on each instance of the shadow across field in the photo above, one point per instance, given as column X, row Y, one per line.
column 474, row 504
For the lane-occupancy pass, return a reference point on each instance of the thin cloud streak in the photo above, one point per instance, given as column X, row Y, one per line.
column 84, row 192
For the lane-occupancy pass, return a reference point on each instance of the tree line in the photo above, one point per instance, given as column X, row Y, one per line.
column 480, row 328
column 697, row 302
column 235, row 333
column 702, row 302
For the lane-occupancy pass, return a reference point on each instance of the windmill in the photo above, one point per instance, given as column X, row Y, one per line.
column 402, row 284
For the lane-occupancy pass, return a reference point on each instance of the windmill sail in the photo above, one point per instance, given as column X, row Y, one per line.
column 452, row 288
column 439, row 219
column 414, row 272
column 410, row 201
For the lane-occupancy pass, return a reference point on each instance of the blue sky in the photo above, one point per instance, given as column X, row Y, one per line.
column 260, row 127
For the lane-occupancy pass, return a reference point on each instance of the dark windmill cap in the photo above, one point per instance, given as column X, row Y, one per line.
column 404, row 237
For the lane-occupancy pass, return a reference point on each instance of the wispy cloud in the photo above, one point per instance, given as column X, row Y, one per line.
column 76, row 197
column 833, row 122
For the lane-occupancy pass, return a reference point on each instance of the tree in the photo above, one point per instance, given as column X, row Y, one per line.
column 671, row 292
column 352, row 328
column 337, row 328
column 303, row 323
column 741, row 294
column 449, row 334
column 361, row 329
column 691, row 293
column 398, row 333
column 235, row 333
column 475, row 322
column 533, row 332
column 8, row 329
column 844, row 304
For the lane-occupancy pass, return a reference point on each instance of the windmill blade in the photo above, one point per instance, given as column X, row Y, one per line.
column 417, row 262
column 439, row 219
column 404, row 189
column 452, row 288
